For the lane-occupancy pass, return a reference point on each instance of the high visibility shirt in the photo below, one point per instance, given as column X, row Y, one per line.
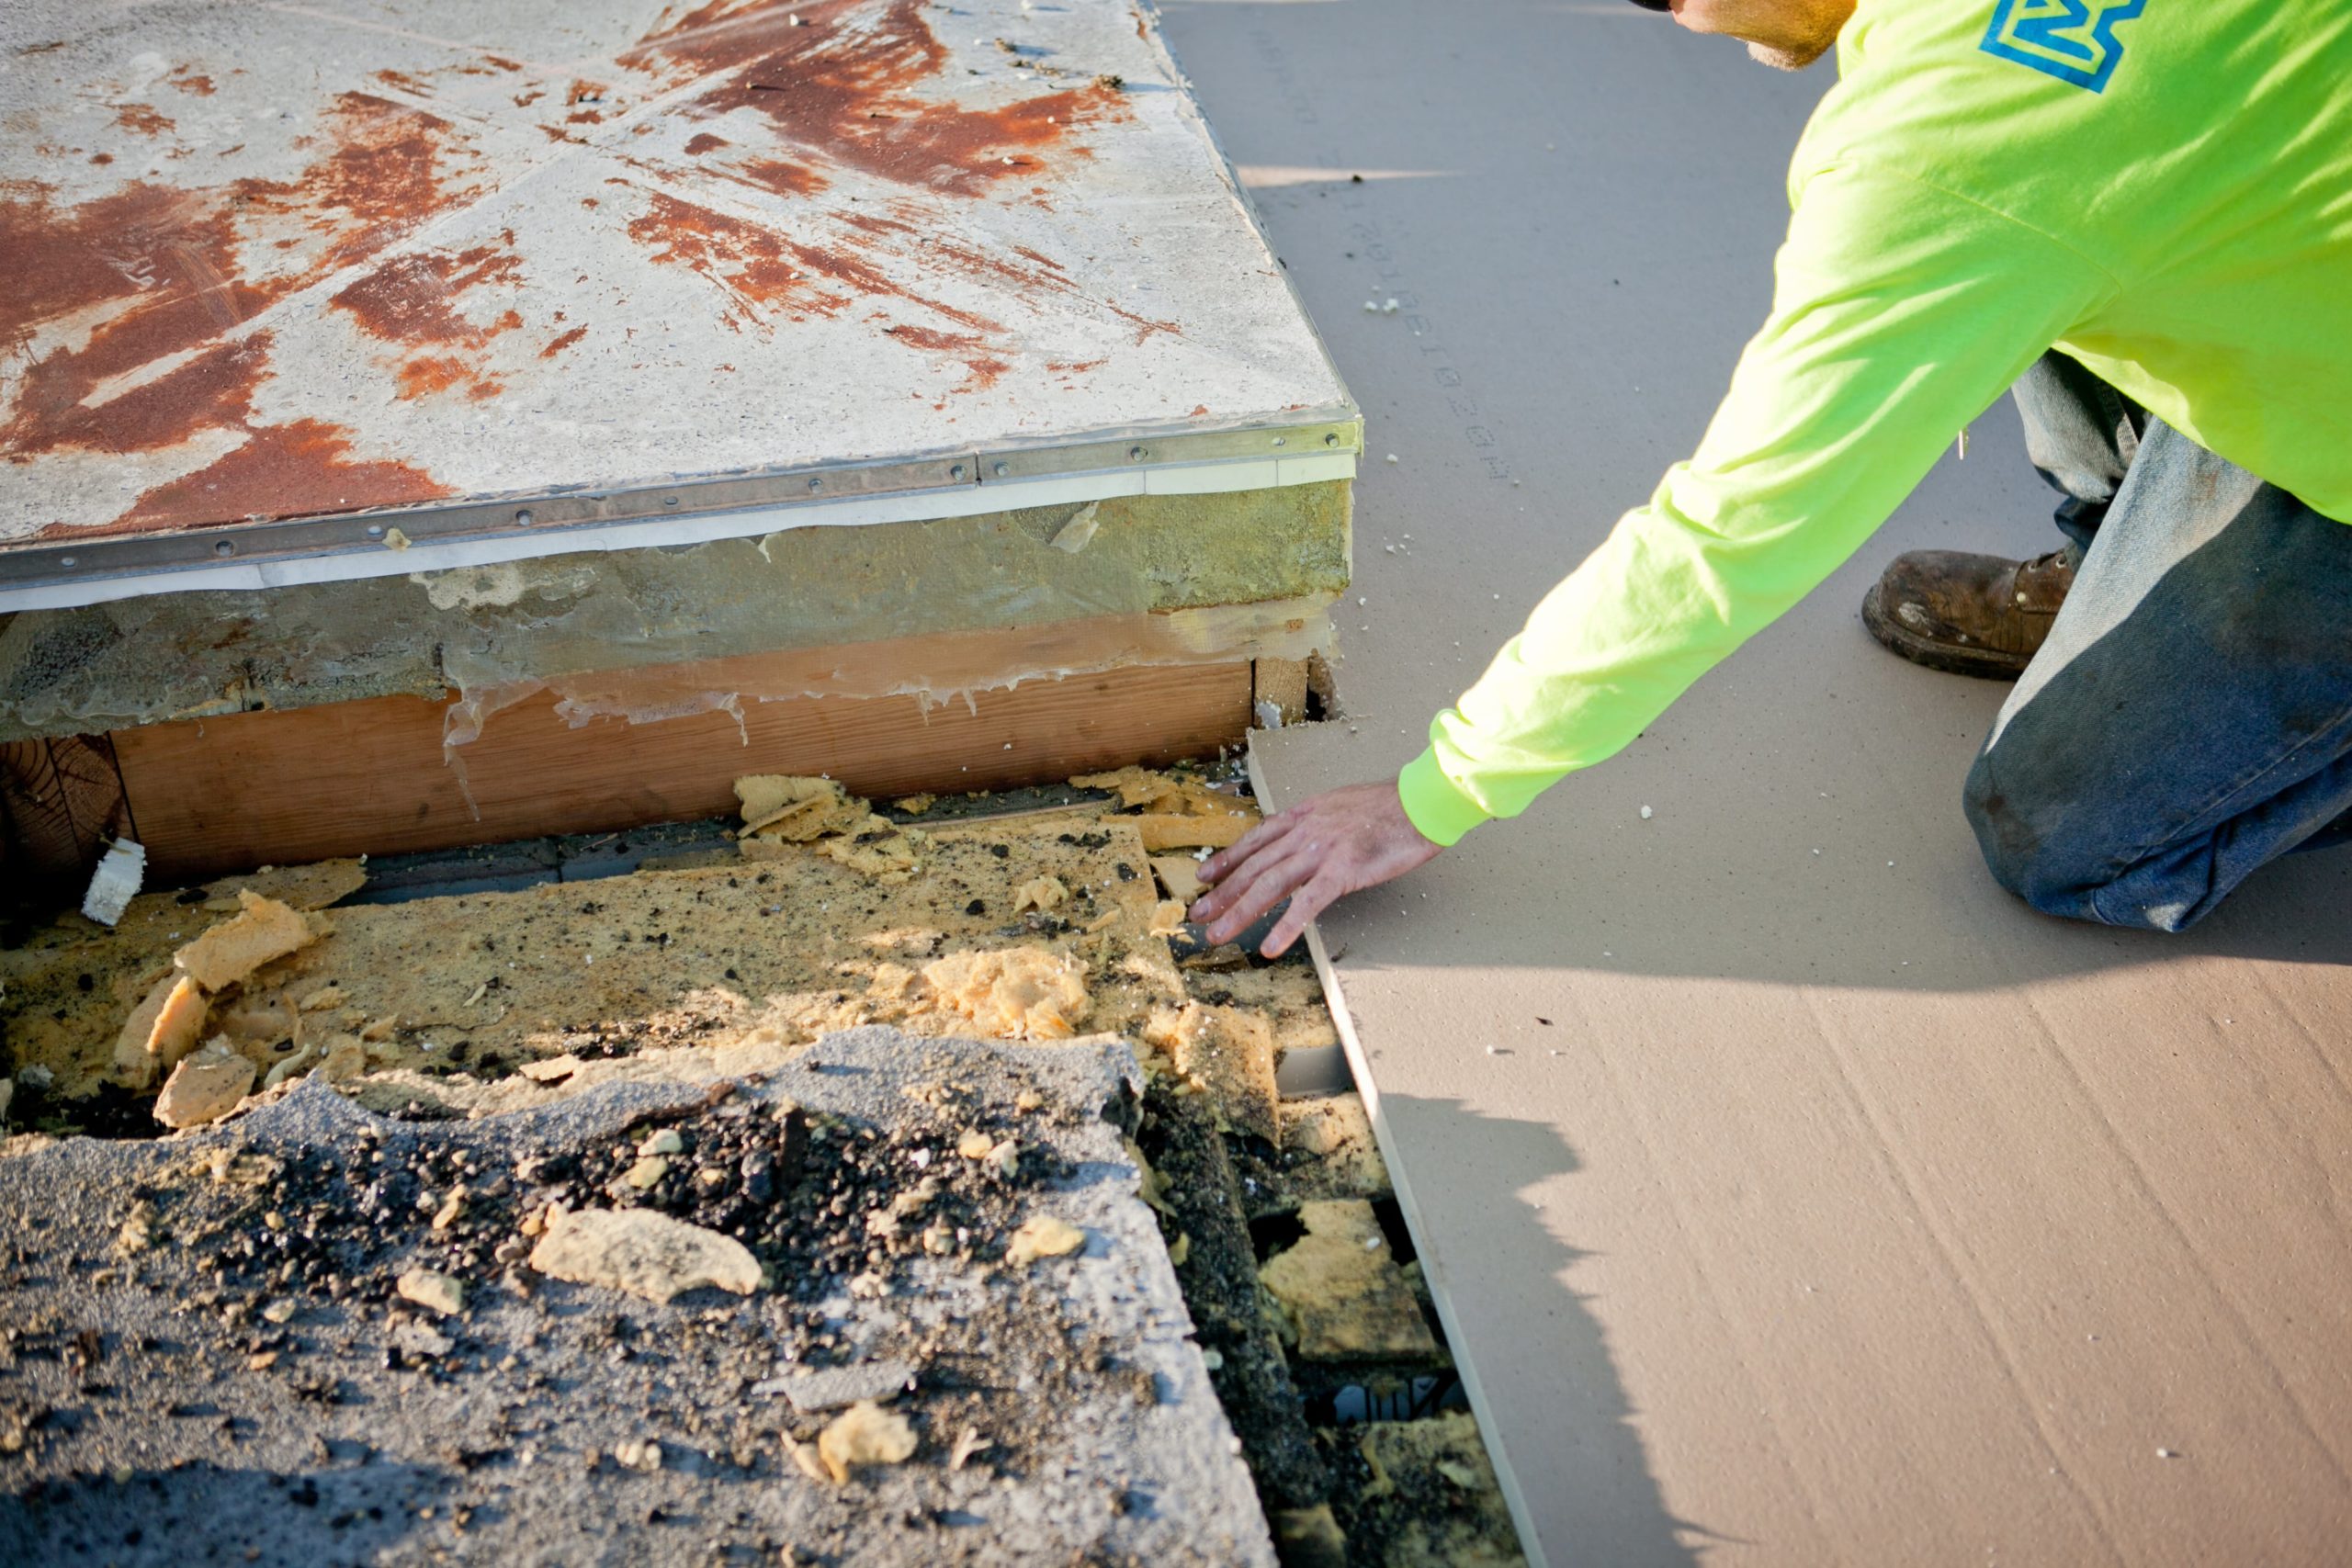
column 2160, row 188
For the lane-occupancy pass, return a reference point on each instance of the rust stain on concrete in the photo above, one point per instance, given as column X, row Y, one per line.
column 412, row 302
column 142, row 119
column 308, row 458
column 844, row 77
column 141, row 320
column 744, row 261
column 153, row 300
column 782, row 176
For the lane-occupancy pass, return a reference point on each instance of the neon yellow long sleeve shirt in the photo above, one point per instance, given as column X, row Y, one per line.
column 2160, row 188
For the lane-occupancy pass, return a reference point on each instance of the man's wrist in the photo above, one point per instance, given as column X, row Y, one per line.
column 1437, row 807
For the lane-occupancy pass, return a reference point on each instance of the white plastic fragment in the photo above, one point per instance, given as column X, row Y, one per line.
column 1648, row 814
column 116, row 882
column 1074, row 534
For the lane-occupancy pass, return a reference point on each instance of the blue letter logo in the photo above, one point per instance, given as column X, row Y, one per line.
column 2071, row 40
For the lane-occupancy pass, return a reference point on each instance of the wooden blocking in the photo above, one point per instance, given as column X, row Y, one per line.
column 220, row 795
column 1279, row 685
column 61, row 801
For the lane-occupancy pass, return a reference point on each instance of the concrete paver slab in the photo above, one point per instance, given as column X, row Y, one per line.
column 530, row 273
column 205, row 1357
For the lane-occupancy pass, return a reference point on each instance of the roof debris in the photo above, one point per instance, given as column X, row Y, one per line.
column 643, row 1252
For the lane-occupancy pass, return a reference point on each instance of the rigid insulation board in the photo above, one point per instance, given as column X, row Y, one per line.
column 297, row 292
column 1793, row 1194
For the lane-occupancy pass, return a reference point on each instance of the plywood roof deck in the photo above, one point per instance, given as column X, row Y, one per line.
column 527, row 272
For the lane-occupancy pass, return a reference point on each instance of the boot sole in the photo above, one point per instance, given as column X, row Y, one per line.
column 1984, row 663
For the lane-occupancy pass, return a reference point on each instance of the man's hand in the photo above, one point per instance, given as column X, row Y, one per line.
column 1320, row 850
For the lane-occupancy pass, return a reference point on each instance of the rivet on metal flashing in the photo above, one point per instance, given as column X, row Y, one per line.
column 1003, row 470
column 668, row 500
column 956, row 472
column 1136, row 454
column 522, row 518
column 65, row 560
column 374, row 530
column 816, row 484
column 1280, row 441
column 225, row 547
column 1331, row 439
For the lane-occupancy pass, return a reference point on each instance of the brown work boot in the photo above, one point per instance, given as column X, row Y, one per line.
column 1969, row 615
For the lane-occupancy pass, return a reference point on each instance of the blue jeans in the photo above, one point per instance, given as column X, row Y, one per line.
column 2190, row 717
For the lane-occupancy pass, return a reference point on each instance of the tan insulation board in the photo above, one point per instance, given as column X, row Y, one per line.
column 1842, row 1211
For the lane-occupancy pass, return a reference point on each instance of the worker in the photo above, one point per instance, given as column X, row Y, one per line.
column 2138, row 214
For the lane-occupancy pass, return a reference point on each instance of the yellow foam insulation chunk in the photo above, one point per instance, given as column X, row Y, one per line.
column 1339, row 1289
column 258, row 1026
column 1135, row 786
column 1179, row 813
column 644, row 1252
column 1180, row 875
column 784, row 806
column 161, row 1030
column 1022, row 993
column 1043, row 1235
column 204, row 1087
column 1229, row 1053
column 266, row 929
column 864, row 1434
column 1338, row 1133
column 1162, row 831
column 1044, row 893
column 1440, row 1454
column 875, row 848
column 1167, row 917
column 1160, row 792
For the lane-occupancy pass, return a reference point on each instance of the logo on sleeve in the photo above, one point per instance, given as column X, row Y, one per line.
column 2071, row 40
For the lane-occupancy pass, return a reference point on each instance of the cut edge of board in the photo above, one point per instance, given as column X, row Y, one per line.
column 1466, row 1366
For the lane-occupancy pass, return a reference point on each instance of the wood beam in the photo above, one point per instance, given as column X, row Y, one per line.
column 222, row 795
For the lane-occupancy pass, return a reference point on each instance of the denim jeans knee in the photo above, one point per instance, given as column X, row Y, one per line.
column 2034, row 846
